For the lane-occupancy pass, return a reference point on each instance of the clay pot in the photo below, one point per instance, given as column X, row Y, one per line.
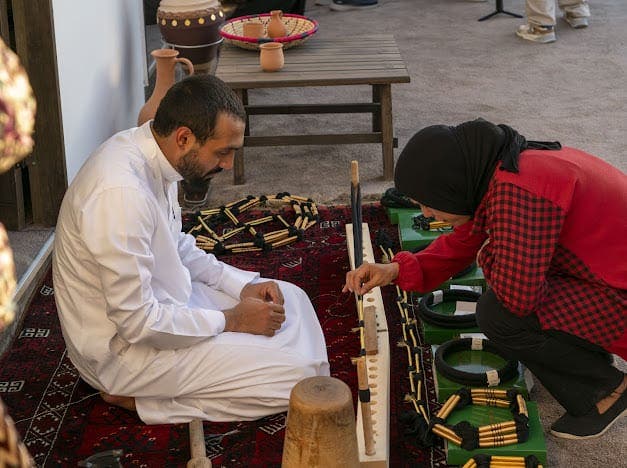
column 193, row 28
column 271, row 56
column 253, row 29
column 166, row 60
column 276, row 27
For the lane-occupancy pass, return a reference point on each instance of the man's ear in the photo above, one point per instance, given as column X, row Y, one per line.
column 184, row 138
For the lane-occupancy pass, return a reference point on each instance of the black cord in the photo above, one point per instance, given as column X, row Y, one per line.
column 448, row 321
column 505, row 373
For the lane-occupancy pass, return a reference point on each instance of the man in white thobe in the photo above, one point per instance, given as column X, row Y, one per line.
column 150, row 320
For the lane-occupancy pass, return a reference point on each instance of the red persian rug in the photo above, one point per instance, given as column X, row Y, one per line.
column 63, row 421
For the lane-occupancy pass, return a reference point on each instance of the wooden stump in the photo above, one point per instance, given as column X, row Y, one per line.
column 320, row 428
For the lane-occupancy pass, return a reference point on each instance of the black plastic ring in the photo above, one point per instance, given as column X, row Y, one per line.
column 505, row 373
column 448, row 321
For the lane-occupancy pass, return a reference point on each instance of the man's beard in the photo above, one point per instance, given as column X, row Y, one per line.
column 189, row 168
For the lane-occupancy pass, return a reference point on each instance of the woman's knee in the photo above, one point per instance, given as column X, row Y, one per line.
column 488, row 313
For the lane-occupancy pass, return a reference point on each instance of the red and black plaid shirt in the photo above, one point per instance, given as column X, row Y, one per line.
column 556, row 245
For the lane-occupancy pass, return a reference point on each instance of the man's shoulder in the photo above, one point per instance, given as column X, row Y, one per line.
column 118, row 163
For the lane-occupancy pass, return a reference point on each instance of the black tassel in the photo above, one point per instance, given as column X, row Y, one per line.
column 416, row 429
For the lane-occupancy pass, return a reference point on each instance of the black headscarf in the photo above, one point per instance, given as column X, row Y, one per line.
column 449, row 168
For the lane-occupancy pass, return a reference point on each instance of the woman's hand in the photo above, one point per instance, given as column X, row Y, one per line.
column 267, row 291
column 370, row 275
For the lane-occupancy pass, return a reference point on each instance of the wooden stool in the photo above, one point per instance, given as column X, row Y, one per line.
column 320, row 428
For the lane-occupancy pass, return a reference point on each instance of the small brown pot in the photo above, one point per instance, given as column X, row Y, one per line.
column 271, row 56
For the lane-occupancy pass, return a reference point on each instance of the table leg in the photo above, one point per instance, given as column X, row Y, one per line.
column 244, row 98
column 376, row 116
column 387, row 131
column 238, row 161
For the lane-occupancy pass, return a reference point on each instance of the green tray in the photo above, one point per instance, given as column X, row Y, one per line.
column 474, row 361
column 411, row 237
column 481, row 415
column 395, row 213
column 473, row 278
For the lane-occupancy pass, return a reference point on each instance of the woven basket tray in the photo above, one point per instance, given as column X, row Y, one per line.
column 299, row 29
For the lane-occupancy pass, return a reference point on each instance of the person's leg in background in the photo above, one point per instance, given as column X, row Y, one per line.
column 540, row 25
column 299, row 7
column 577, row 373
column 576, row 12
column 255, row 7
column 346, row 5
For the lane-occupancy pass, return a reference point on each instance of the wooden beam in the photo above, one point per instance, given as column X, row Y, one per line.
column 347, row 108
column 35, row 44
column 5, row 31
column 309, row 139
column 12, row 212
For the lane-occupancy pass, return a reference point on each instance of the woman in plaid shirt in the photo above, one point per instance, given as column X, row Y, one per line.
column 547, row 224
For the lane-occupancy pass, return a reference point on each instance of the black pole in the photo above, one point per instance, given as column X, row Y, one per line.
column 356, row 214
column 499, row 9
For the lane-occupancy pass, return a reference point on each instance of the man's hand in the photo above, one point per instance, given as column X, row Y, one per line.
column 254, row 316
column 268, row 291
column 370, row 275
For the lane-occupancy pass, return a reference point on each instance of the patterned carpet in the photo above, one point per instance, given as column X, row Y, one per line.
column 62, row 421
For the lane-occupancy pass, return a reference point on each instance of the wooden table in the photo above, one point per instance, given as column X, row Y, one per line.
column 372, row 60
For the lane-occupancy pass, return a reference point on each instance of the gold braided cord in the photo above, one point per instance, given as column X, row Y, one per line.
column 410, row 341
column 501, row 461
column 492, row 435
column 207, row 221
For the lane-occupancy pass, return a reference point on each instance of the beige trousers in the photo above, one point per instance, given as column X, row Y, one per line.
column 542, row 12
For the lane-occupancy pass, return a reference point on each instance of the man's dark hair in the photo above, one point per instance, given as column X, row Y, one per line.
column 195, row 102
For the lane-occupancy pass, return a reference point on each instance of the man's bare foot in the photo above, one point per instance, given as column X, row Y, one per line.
column 125, row 402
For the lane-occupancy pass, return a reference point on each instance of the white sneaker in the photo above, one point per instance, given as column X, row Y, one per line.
column 541, row 34
column 576, row 22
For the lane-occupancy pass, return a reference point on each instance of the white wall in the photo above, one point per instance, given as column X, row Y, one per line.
column 101, row 61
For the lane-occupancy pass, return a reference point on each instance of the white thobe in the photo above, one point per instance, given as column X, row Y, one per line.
column 140, row 305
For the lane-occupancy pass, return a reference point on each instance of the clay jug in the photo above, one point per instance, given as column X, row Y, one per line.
column 276, row 27
column 271, row 56
column 166, row 60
